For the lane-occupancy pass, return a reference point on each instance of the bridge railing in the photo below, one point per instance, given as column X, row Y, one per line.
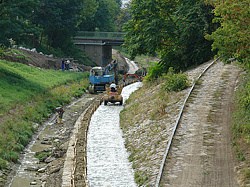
column 108, row 35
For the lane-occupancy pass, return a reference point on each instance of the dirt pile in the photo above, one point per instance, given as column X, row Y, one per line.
column 33, row 59
column 49, row 62
column 122, row 65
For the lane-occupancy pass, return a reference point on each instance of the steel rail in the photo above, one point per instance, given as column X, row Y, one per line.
column 158, row 180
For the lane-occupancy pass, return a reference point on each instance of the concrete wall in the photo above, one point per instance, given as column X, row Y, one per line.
column 107, row 54
column 96, row 50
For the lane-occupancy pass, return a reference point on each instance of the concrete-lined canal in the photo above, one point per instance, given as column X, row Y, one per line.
column 33, row 172
column 107, row 159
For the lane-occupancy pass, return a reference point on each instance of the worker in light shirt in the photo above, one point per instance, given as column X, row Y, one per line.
column 113, row 87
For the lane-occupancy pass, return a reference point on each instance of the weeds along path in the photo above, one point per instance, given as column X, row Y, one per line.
column 201, row 154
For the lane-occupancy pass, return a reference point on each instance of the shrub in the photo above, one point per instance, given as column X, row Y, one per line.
column 154, row 72
column 11, row 156
column 175, row 82
column 3, row 164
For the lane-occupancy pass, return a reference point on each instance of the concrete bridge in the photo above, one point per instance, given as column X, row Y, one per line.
column 98, row 45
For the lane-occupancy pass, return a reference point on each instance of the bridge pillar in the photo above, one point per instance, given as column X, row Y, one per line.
column 107, row 54
column 97, row 50
column 98, row 45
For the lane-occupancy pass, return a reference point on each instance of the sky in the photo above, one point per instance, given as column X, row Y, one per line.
column 124, row 2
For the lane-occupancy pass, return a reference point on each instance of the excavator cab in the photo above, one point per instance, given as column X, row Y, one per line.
column 100, row 77
column 96, row 71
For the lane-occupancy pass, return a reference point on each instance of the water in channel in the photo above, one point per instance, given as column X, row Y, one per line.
column 107, row 159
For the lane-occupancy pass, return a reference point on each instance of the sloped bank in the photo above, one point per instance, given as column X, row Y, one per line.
column 52, row 175
column 147, row 122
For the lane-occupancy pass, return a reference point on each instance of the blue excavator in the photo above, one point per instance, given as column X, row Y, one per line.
column 101, row 76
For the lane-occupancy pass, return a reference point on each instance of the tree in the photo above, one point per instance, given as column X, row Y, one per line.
column 14, row 20
column 232, row 38
column 122, row 18
column 175, row 29
column 103, row 19
column 59, row 19
column 86, row 22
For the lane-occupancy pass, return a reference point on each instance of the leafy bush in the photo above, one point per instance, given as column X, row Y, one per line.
column 155, row 72
column 175, row 82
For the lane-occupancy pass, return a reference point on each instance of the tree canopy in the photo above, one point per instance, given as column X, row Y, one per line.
column 13, row 20
column 232, row 38
column 174, row 29
column 58, row 19
column 183, row 32
column 103, row 19
column 54, row 22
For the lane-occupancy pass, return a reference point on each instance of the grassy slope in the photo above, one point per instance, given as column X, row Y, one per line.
column 136, row 109
column 27, row 95
column 152, row 110
column 241, row 127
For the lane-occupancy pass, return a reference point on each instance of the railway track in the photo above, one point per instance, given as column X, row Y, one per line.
column 188, row 160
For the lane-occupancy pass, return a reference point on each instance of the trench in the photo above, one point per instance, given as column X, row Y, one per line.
column 27, row 173
column 107, row 159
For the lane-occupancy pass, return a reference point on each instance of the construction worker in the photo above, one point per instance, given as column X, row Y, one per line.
column 67, row 62
column 113, row 87
column 60, row 112
column 63, row 64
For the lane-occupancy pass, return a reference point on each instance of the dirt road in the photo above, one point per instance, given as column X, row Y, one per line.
column 201, row 154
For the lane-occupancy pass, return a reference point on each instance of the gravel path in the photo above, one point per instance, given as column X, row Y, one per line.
column 201, row 154
column 201, row 151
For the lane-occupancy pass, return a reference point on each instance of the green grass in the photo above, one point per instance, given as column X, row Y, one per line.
column 27, row 96
column 241, row 126
column 20, row 83
column 16, row 52
column 42, row 155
